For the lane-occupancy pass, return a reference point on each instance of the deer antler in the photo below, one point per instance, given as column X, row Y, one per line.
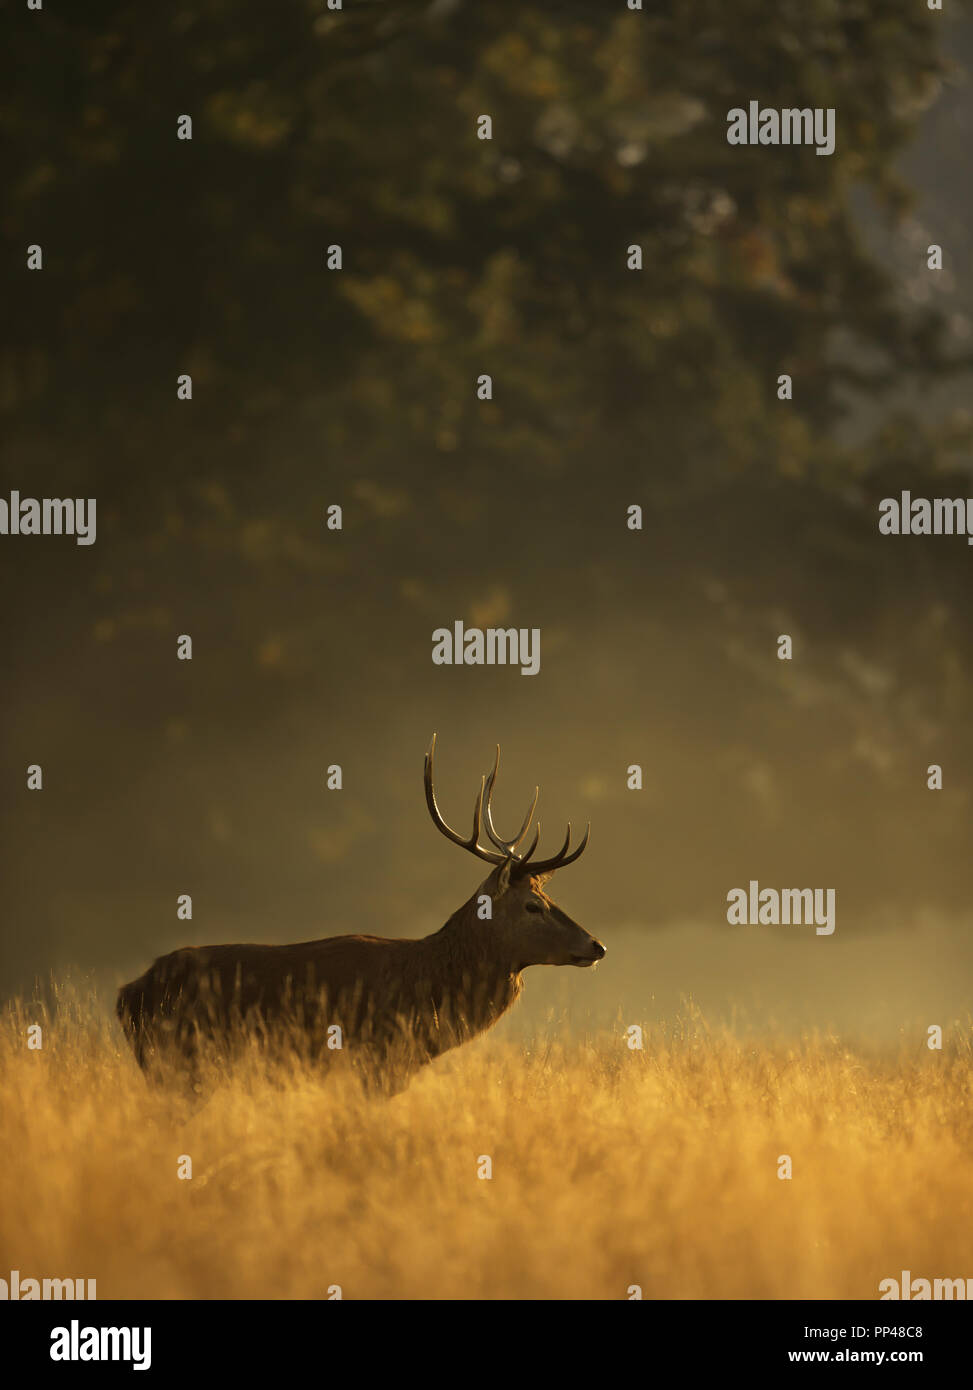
column 509, row 847
column 547, row 866
column 483, row 812
column 440, row 824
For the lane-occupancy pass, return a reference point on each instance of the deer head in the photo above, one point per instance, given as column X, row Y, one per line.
column 527, row 926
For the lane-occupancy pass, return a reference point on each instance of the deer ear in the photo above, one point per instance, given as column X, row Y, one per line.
column 503, row 878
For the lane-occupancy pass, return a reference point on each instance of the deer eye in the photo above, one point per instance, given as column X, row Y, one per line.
column 532, row 906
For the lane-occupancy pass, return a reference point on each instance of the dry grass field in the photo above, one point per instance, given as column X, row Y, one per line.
column 610, row 1168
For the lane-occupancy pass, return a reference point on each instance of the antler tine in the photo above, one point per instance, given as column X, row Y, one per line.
column 440, row 824
column 544, row 866
column 478, row 811
column 522, row 858
column 509, row 847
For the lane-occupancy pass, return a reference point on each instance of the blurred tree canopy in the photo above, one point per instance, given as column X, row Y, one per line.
column 313, row 127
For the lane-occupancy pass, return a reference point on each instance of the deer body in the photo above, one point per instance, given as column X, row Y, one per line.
column 397, row 1003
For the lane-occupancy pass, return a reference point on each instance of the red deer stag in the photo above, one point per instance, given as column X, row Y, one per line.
column 398, row 1003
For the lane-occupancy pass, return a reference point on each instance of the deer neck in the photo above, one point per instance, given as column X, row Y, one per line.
column 476, row 982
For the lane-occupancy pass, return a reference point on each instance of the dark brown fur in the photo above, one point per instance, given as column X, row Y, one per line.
column 398, row 1004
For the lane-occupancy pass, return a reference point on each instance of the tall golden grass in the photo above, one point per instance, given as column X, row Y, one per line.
column 610, row 1168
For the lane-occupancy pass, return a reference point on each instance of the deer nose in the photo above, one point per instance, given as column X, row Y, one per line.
column 597, row 950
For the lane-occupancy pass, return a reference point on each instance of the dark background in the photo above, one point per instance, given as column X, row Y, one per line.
column 356, row 387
